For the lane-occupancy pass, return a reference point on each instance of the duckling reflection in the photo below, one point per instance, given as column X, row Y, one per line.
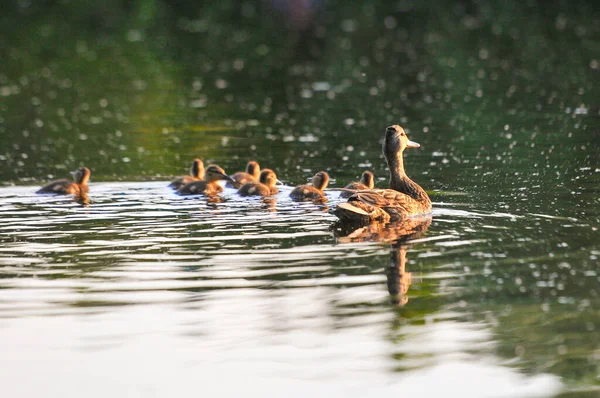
column 399, row 235
column 82, row 198
column 252, row 174
column 81, row 177
column 196, row 174
column 312, row 192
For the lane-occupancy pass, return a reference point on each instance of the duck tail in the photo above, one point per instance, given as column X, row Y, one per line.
column 348, row 212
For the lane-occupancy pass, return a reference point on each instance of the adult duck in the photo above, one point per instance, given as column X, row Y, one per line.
column 404, row 198
column 367, row 181
column 264, row 187
column 196, row 174
column 312, row 192
column 66, row 187
column 252, row 174
column 209, row 185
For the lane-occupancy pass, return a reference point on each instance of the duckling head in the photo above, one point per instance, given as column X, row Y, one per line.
column 320, row 180
column 81, row 175
column 253, row 169
column 268, row 177
column 396, row 141
column 368, row 179
column 197, row 169
column 215, row 173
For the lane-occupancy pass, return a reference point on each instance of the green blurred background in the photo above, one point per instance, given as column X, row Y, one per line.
column 136, row 89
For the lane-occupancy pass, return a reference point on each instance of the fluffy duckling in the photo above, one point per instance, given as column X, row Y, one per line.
column 252, row 174
column 314, row 191
column 196, row 174
column 209, row 186
column 367, row 181
column 265, row 186
column 65, row 187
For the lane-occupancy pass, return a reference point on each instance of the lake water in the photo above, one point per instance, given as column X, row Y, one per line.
column 146, row 293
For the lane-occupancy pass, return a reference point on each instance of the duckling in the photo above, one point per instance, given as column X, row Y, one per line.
column 196, row 174
column 209, row 186
column 265, row 186
column 367, row 181
column 65, row 187
column 404, row 198
column 314, row 191
column 252, row 174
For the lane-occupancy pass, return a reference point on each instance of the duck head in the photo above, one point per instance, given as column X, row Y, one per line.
column 215, row 173
column 81, row 175
column 320, row 180
column 368, row 179
column 268, row 177
column 396, row 141
column 197, row 169
column 253, row 169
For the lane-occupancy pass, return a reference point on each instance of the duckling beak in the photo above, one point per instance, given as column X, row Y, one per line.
column 412, row 144
column 73, row 172
column 227, row 178
column 279, row 182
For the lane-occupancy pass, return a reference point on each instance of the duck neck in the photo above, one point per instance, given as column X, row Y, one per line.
column 397, row 173
column 400, row 182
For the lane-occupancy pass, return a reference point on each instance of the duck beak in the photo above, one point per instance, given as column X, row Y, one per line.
column 412, row 144
column 73, row 172
column 279, row 182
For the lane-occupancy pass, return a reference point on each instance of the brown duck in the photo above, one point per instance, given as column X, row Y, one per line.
column 367, row 181
column 314, row 191
column 196, row 174
column 65, row 187
column 265, row 186
column 209, row 186
column 404, row 198
column 252, row 174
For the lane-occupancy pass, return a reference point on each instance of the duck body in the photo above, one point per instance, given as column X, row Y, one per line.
column 252, row 174
column 264, row 187
column 196, row 174
column 405, row 198
column 209, row 186
column 67, row 187
column 312, row 192
column 367, row 181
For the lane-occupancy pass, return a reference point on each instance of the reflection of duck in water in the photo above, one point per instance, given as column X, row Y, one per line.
column 252, row 174
column 209, row 186
column 367, row 181
column 312, row 192
column 82, row 198
column 66, row 187
column 264, row 187
column 404, row 198
column 196, row 174
column 399, row 236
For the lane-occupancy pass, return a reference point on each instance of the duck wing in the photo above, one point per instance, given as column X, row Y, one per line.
column 381, row 205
